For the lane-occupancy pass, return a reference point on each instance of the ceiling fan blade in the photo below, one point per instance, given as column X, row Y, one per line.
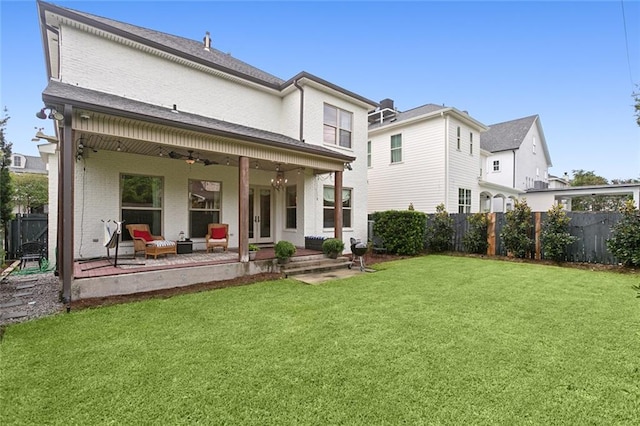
column 174, row 154
column 208, row 162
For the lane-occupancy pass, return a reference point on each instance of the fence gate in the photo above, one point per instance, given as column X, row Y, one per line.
column 25, row 228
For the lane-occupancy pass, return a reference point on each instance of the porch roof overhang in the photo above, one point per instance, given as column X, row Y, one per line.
column 494, row 189
column 151, row 126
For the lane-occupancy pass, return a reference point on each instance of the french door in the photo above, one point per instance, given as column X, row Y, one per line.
column 260, row 213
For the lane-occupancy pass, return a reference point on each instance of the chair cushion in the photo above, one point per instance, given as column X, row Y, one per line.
column 145, row 235
column 218, row 233
column 161, row 243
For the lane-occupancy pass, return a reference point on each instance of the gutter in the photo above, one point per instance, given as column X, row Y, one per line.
column 514, row 167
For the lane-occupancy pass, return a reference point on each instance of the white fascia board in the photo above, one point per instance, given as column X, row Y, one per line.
column 439, row 113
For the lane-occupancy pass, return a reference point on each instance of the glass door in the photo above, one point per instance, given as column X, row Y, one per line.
column 260, row 215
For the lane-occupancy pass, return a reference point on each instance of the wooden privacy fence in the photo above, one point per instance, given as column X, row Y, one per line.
column 592, row 230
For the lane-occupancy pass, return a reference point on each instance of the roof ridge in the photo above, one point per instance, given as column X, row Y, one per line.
column 514, row 120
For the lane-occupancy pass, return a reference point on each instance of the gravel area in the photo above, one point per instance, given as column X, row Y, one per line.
column 26, row 297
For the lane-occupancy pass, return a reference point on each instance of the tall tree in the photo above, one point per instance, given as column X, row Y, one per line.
column 6, row 185
column 31, row 191
column 636, row 97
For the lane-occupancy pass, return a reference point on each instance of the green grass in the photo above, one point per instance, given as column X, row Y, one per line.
column 430, row 340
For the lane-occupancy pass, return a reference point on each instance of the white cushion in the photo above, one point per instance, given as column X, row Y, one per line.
column 162, row 243
column 221, row 240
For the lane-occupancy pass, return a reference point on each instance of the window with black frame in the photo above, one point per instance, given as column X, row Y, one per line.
column 141, row 202
column 329, row 207
column 205, row 202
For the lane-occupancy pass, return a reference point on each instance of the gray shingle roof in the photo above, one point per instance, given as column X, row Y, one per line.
column 507, row 135
column 180, row 46
column 409, row 114
column 32, row 164
column 61, row 93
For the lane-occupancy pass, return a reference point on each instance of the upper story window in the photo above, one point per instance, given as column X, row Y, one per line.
column 17, row 161
column 471, row 143
column 458, row 139
column 338, row 125
column 369, row 154
column 396, row 148
column 496, row 165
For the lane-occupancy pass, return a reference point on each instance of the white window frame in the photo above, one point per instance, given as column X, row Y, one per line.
column 397, row 149
column 470, row 143
column 464, row 200
column 458, row 138
column 291, row 208
column 334, row 137
column 155, row 228
column 329, row 211
column 369, row 154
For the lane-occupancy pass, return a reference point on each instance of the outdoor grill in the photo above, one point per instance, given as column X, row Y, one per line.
column 358, row 249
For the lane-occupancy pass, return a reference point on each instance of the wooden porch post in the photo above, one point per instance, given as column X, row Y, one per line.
column 491, row 234
column 243, row 209
column 65, row 222
column 337, row 197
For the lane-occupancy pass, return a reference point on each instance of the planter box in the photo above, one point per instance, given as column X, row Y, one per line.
column 313, row 243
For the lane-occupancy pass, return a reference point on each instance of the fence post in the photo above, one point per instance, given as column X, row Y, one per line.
column 491, row 234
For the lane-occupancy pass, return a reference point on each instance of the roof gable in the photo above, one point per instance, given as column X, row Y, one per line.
column 507, row 135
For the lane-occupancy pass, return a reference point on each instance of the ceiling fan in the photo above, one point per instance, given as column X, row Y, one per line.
column 191, row 158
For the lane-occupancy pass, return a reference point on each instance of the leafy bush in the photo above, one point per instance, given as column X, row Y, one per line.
column 403, row 231
column 284, row 249
column 625, row 241
column 440, row 232
column 516, row 234
column 254, row 247
column 332, row 246
column 475, row 240
column 555, row 234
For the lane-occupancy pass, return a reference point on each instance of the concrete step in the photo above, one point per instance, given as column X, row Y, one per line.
column 319, row 264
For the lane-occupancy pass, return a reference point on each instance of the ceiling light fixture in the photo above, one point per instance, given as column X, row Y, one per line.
column 279, row 181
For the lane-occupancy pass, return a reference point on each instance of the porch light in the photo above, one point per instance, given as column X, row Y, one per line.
column 279, row 181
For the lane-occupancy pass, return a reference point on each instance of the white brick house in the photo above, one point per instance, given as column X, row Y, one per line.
column 170, row 116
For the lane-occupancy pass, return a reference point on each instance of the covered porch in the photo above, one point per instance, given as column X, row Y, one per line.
column 98, row 144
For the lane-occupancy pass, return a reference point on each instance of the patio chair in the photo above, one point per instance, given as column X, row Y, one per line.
column 32, row 251
column 217, row 236
column 151, row 245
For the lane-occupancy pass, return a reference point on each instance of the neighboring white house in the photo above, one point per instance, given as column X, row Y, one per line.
column 22, row 164
column 147, row 121
column 425, row 156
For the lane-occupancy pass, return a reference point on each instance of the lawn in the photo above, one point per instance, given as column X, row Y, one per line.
column 429, row 340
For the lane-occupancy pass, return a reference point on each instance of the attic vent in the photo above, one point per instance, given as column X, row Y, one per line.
column 207, row 41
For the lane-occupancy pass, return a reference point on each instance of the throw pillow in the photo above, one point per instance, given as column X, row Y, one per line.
column 218, row 233
column 145, row 235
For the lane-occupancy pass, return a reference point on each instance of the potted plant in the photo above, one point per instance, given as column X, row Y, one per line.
column 253, row 250
column 332, row 247
column 284, row 250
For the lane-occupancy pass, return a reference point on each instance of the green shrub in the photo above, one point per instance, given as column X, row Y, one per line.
column 475, row 240
column 555, row 235
column 332, row 246
column 624, row 243
column 284, row 249
column 403, row 231
column 516, row 234
column 440, row 231
column 254, row 247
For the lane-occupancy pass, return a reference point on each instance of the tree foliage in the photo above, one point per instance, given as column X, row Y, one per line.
column 31, row 191
column 475, row 240
column 516, row 233
column 624, row 243
column 636, row 98
column 595, row 203
column 6, row 185
column 555, row 234
column 403, row 232
column 440, row 231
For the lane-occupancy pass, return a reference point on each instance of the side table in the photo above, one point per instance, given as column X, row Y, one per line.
column 184, row 247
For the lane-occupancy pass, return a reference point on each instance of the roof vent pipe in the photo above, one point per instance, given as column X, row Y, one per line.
column 207, row 41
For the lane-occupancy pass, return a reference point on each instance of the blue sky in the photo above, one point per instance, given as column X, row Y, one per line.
column 574, row 63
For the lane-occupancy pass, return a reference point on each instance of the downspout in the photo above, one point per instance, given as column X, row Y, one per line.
column 446, row 159
column 295, row 83
column 514, row 168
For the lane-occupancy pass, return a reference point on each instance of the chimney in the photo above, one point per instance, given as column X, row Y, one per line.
column 386, row 103
column 207, row 41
